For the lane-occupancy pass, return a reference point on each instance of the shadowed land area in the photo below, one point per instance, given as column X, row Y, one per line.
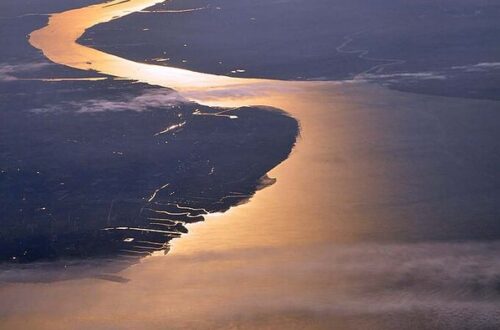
column 113, row 167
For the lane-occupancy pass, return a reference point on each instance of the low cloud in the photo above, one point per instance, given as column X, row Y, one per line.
column 429, row 285
column 8, row 71
column 478, row 67
column 148, row 100
column 442, row 74
column 404, row 76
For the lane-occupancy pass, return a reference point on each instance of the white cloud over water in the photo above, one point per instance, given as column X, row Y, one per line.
column 479, row 67
column 385, row 285
column 405, row 76
column 8, row 71
column 148, row 100
column 442, row 74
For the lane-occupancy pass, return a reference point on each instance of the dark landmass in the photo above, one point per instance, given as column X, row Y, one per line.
column 107, row 168
column 419, row 46
column 76, row 175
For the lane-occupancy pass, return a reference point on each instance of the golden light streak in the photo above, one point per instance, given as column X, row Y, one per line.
column 310, row 102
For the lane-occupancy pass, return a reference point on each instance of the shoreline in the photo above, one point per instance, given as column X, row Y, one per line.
column 326, row 168
column 59, row 44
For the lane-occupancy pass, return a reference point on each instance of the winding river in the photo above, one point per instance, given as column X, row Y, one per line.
column 338, row 185
column 305, row 181
column 355, row 173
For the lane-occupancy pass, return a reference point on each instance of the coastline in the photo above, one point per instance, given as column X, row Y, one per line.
column 59, row 44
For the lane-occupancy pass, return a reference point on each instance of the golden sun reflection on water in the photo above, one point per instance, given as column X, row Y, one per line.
column 57, row 41
column 295, row 208
column 317, row 185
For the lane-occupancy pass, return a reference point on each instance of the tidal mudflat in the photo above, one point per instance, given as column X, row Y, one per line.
column 384, row 216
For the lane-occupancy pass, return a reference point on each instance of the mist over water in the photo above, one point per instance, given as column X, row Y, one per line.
column 375, row 286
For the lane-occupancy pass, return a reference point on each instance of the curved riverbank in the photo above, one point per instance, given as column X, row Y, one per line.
column 358, row 169
column 58, row 42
